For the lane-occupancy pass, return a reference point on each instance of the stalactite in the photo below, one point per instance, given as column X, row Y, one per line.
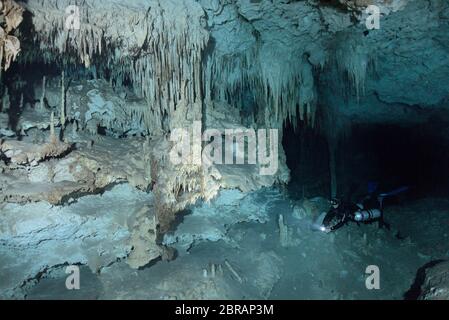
column 353, row 59
column 11, row 15
column 279, row 88
column 162, row 60
column 335, row 128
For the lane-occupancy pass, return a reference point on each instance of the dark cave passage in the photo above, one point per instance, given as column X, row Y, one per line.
column 395, row 155
column 390, row 155
column 308, row 159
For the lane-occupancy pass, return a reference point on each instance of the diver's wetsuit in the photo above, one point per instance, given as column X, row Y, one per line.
column 337, row 217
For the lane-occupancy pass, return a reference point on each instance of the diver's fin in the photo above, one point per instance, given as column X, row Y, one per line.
column 394, row 192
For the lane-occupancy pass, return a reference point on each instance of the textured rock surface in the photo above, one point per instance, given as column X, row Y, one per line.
column 272, row 52
column 90, row 104
column 436, row 283
column 23, row 153
column 93, row 231
column 401, row 53
column 155, row 44
column 210, row 222
column 158, row 65
column 11, row 16
column 268, row 61
column 317, row 266
column 87, row 169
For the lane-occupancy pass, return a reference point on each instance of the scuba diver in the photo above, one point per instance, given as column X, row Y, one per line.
column 369, row 210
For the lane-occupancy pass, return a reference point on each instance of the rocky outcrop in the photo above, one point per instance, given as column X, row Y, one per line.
column 10, row 19
column 270, row 56
column 436, row 282
column 23, row 153
column 156, row 44
column 267, row 61
column 86, row 169
column 93, row 231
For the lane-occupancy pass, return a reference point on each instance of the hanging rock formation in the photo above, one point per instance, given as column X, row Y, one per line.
column 10, row 17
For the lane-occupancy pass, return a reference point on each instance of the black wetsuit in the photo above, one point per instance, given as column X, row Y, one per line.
column 345, row 212
column 337, row 217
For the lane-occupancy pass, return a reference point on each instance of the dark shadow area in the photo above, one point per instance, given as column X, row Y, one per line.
column 390, row 156
column 308, row 160
column 397, row 156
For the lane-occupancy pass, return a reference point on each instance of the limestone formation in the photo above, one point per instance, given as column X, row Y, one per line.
column 23, row 153
column 10, row 17
column 436, row 282
column 95, row 93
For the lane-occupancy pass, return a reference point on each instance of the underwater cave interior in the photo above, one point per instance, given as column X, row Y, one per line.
column 224, row 149
column 389, row 155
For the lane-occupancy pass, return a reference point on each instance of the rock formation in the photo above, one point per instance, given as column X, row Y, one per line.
column 92, row 94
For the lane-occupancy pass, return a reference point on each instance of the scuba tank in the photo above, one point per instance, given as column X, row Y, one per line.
column 367, row 215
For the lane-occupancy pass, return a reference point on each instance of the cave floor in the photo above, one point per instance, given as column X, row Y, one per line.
column 244, row 259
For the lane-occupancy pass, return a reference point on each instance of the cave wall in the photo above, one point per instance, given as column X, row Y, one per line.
column 309, row 63
column 243, row 42
column 280, row 59
column 140, row 69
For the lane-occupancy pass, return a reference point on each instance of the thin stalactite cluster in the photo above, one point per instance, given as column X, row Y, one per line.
column 158, row 49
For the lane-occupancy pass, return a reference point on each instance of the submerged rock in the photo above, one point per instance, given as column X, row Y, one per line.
column 436, row 283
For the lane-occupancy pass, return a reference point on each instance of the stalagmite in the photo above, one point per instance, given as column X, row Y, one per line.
column 283, row 232
column 42, row 100
column 220, row 269
column 62, row 113
column 52, row 128
column 21, row 102
column 102, row 190
column 233, row 272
